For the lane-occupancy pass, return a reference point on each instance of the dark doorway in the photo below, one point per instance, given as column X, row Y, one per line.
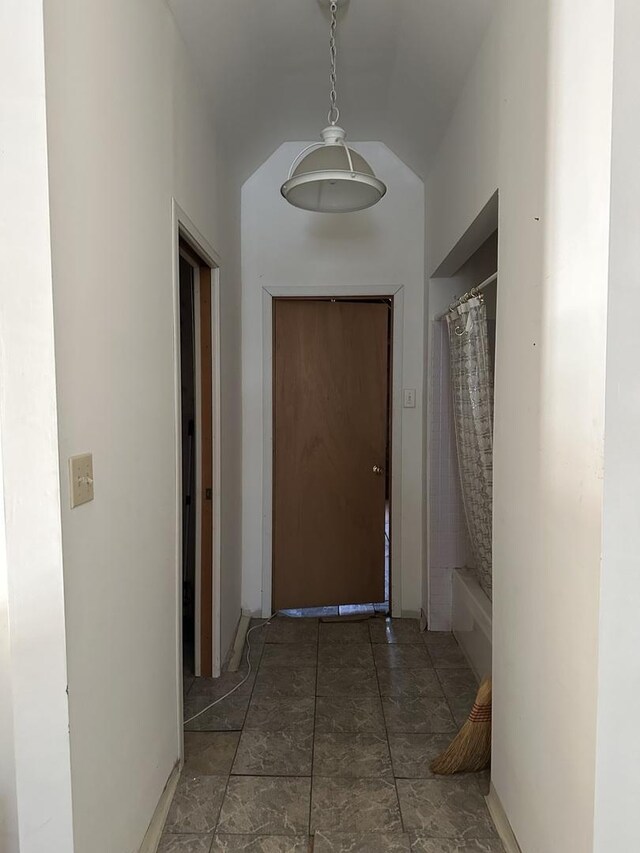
column 188, row 425
column 197, row 370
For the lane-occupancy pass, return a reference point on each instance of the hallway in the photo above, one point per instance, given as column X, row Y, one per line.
column 326, row 748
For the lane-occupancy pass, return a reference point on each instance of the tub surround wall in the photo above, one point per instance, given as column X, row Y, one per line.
column 449, row 546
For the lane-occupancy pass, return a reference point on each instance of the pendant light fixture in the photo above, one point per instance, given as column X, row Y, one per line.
column 328, row 176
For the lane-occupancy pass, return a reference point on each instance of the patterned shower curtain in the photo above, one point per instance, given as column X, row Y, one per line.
column 472, row 391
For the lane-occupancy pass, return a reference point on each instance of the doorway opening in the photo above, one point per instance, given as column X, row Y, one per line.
column 198, row 383
column 332, row 406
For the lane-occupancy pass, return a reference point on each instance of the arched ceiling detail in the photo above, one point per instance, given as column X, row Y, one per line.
column 401, row 65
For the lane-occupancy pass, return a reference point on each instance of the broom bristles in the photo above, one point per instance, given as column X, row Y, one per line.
column 470, row 750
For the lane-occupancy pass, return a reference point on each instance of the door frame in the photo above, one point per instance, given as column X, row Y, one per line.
column 184, row 229
column 395, row 292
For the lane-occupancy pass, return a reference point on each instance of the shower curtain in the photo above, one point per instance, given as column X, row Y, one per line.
column 472, row 392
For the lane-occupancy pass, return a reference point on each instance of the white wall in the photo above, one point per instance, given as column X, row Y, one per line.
column 618, row 756
column 283, row 246
column 35, row 785
column 129, row 128
column 554, row 63
column 551, row 328
column 8, row 793
column 464, row 175
column 207, row 187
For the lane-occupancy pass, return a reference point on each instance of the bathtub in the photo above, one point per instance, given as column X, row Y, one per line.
column 471, row 621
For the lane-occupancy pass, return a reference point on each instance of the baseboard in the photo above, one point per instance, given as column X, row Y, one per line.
column 502, row 822
column 410, row 614
column 153, row 834
column 255, row 614
column 238, row 646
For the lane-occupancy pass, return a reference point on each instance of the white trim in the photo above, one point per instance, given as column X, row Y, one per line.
column 217, row 456
column 182, row 225
column 239, row 642
column 324, row 292
column 152, row 836
column 501, row 822
column 410, row 614
column 175, row 249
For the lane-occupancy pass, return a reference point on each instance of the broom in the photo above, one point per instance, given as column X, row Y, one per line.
column 470, row 750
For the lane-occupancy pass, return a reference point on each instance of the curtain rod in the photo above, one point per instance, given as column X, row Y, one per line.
column 468, row 295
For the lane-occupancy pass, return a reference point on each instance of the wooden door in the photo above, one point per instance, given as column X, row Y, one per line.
column 330, row 440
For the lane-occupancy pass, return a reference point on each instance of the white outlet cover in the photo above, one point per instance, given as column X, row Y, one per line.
column 81, row 479
column 409, row 401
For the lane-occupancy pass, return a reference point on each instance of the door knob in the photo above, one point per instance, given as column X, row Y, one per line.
column 378, row 470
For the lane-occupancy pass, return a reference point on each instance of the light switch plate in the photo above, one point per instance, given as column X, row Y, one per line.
column 409, row 398
column 81, row 479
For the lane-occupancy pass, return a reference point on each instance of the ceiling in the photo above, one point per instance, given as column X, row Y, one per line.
column 401, row 65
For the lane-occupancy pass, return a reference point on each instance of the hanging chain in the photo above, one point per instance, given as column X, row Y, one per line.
column 334, row 112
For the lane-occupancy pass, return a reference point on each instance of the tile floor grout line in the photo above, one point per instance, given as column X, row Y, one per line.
column 386, row 731
column 230, row 773
column 263, row 776
column 446, row 699
column 450, row 707
column 313, row 738
column 255, row 679
column 428, row 650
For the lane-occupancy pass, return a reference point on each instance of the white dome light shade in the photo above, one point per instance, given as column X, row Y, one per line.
column 332, row 178
column 328, row 176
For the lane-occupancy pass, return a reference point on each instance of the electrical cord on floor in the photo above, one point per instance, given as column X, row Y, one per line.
column 244, row 680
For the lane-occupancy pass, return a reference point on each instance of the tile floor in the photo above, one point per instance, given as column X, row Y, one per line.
column 327, row 746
